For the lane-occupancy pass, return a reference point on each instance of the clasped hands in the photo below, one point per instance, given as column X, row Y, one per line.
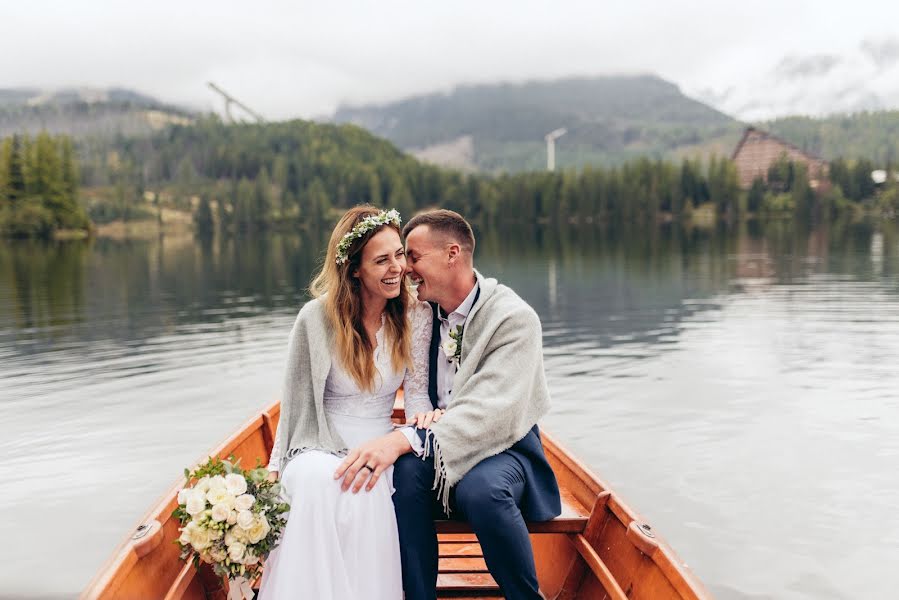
column 364, row 465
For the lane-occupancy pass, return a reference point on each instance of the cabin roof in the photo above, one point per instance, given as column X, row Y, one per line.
column 750, row 130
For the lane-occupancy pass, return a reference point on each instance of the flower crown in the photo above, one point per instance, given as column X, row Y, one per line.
column 362, row 227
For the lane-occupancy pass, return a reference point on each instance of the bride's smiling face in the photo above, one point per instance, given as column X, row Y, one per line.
column 381, row 266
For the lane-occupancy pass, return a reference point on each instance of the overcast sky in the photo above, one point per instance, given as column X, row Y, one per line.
column 301, row 59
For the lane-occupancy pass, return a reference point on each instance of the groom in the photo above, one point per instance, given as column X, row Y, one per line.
column 484, row 456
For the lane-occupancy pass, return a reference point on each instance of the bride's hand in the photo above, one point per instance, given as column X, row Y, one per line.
column 370, row 460
column 424, row 420
column 272, row 476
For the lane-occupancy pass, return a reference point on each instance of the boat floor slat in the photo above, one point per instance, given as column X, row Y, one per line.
column 461, row 550
column 462, row 582
column 462, row 565
column 470, row 595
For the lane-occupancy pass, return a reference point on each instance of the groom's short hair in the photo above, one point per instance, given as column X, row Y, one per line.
column 445, row 222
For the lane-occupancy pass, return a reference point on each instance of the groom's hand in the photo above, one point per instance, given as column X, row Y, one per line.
column 367, row 462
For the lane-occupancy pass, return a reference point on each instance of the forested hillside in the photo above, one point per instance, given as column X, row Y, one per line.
column 870, row 135
column 609, row 120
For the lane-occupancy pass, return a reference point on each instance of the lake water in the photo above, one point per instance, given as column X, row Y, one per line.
column 739, row 388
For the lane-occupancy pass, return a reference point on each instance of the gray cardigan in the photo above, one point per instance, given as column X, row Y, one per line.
column 499, row 390
column 303, row 417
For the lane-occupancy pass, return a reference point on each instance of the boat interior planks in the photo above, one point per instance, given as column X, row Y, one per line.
column 598, row 548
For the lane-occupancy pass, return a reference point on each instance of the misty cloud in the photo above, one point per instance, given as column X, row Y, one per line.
column 884, row 52
column 792, row 67
column 304, row 58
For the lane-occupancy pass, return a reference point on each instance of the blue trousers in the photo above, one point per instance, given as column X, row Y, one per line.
column 488, row 497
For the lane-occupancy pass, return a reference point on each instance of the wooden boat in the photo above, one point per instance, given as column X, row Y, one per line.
column 598, row 548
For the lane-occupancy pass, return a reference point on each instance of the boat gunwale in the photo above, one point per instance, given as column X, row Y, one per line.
column 601, row 496
column 664, row 556
column 105, row 578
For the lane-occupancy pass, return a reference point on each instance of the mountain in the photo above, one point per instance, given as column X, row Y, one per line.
column 86, row 112
column 862, row 78
column 501, row 127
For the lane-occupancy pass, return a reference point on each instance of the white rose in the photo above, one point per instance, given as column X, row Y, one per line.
column 216, row 482
column 245, row 519
column 240, row 535
column 236, row 552
column 244, row 502
column 202, row 485
column 259, row 530
column 236, row 484
column 200, row 539
column 218, row 554
column 185, row 535
column 220, row 513
column 184, row 494
column 449, row 348
column 195, row 504
column 220, row 496
column 232, row 517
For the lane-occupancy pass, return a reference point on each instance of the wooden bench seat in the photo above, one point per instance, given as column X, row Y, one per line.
column 462, row 572
column 572, row 520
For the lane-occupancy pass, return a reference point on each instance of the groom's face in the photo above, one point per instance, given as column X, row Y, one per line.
column 426, row 262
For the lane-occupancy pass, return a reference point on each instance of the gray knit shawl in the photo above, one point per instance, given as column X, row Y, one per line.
column 304, row 423
column 499, row 391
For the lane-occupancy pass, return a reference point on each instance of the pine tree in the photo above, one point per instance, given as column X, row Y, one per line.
column 4, row 164
column 756, row 195
column 69, row 171
column 400, row 197
column 262, row 199
column 317, row 204
column 15, row 171
column 374, row 189
column 279, row 178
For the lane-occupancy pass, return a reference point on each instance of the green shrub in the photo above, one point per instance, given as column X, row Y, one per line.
column 777, row 204
column 27, row 218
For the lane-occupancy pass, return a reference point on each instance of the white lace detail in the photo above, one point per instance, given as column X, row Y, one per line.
column 415, row 385
column 342, row 395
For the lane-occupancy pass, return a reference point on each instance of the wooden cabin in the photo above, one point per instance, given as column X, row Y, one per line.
column 758, row 150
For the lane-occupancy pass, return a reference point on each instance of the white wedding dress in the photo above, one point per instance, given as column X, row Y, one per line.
column 340, row 545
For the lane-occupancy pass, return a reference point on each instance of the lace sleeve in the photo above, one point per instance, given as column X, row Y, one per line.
column 274, row 461
column 415, row 385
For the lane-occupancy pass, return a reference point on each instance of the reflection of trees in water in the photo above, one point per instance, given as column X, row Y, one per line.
column 637, row 284
column 836, row 248
column 128, row 289
column 195, row 280
column 42, row 283
column 611, row 284
column 622, row 283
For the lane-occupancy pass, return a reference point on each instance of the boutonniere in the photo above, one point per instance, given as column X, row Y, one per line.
column 453, row 346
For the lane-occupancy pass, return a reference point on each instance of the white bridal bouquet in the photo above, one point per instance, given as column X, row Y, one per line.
column 230, row 518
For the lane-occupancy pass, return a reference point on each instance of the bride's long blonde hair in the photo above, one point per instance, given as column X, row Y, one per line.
column 343, row 304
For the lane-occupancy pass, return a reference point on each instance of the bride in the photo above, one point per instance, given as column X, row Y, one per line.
column 351, row 348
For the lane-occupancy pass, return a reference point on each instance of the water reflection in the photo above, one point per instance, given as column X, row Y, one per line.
column 737, row 385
